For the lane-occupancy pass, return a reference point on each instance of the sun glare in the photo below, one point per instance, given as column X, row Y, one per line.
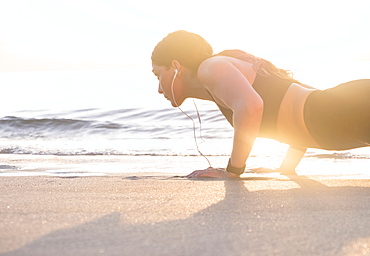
column 126, row 32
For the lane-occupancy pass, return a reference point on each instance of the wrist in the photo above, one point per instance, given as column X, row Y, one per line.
column 235, row 170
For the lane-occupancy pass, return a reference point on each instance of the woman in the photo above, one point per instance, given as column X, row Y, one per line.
column 261, row 100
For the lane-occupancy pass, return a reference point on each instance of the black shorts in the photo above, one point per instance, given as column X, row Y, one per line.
column 339, row 118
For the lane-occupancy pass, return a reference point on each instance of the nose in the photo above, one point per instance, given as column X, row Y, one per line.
column 160, row 89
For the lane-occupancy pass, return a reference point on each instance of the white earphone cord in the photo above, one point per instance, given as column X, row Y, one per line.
column 200, row 122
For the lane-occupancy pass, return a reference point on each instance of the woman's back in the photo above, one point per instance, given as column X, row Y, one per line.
column 272, row 90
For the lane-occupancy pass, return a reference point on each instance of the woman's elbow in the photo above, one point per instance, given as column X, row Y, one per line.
column 256, row 112
column 258, row 106
column 254, row 108
column 251, row 111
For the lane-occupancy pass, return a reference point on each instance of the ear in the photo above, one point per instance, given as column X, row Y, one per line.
column 176, row 65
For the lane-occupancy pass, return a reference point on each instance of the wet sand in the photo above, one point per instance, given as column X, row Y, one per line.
column 162, row 214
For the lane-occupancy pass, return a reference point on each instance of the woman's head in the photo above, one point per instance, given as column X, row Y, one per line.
column 189, row 49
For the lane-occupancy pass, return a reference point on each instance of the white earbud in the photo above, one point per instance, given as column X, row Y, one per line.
column 173, row 82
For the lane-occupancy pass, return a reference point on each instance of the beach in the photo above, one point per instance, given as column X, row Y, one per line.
column 159, row 213
column 93, row 159
column 102, row 173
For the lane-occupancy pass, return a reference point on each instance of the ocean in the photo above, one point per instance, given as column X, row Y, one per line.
column 118, row 113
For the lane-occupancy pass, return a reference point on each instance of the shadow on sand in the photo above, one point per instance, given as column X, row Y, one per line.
column 312, row 219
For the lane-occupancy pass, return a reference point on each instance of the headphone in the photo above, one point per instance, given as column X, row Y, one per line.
column 173, row 80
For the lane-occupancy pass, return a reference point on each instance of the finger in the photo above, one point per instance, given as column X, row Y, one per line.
column 212, row 173
column 253, row 169
column 200, row 173
column 262, row 170
column 207, row 174
column 288, row 172
column 190, row 174
column 194, row 174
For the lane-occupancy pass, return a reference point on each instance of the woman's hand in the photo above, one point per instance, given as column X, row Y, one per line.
column 212, row 173
column 262, row 170
column 268, row 170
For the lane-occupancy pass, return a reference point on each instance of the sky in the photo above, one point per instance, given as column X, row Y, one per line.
column 81, row 34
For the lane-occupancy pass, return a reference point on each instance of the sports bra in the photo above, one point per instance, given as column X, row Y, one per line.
column 272, row 90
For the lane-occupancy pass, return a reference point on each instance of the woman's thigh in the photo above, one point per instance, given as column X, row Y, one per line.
column 339, row 117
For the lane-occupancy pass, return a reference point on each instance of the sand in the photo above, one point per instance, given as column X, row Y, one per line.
column 161, row 214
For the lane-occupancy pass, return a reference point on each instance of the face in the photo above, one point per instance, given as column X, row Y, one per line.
column 165, row 77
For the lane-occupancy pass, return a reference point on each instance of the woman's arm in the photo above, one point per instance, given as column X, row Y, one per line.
column 231, row 89
column 292, row 158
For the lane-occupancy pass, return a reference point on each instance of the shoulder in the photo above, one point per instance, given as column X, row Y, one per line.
column 213, row 63
column 223, row 67
column 215, row 67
